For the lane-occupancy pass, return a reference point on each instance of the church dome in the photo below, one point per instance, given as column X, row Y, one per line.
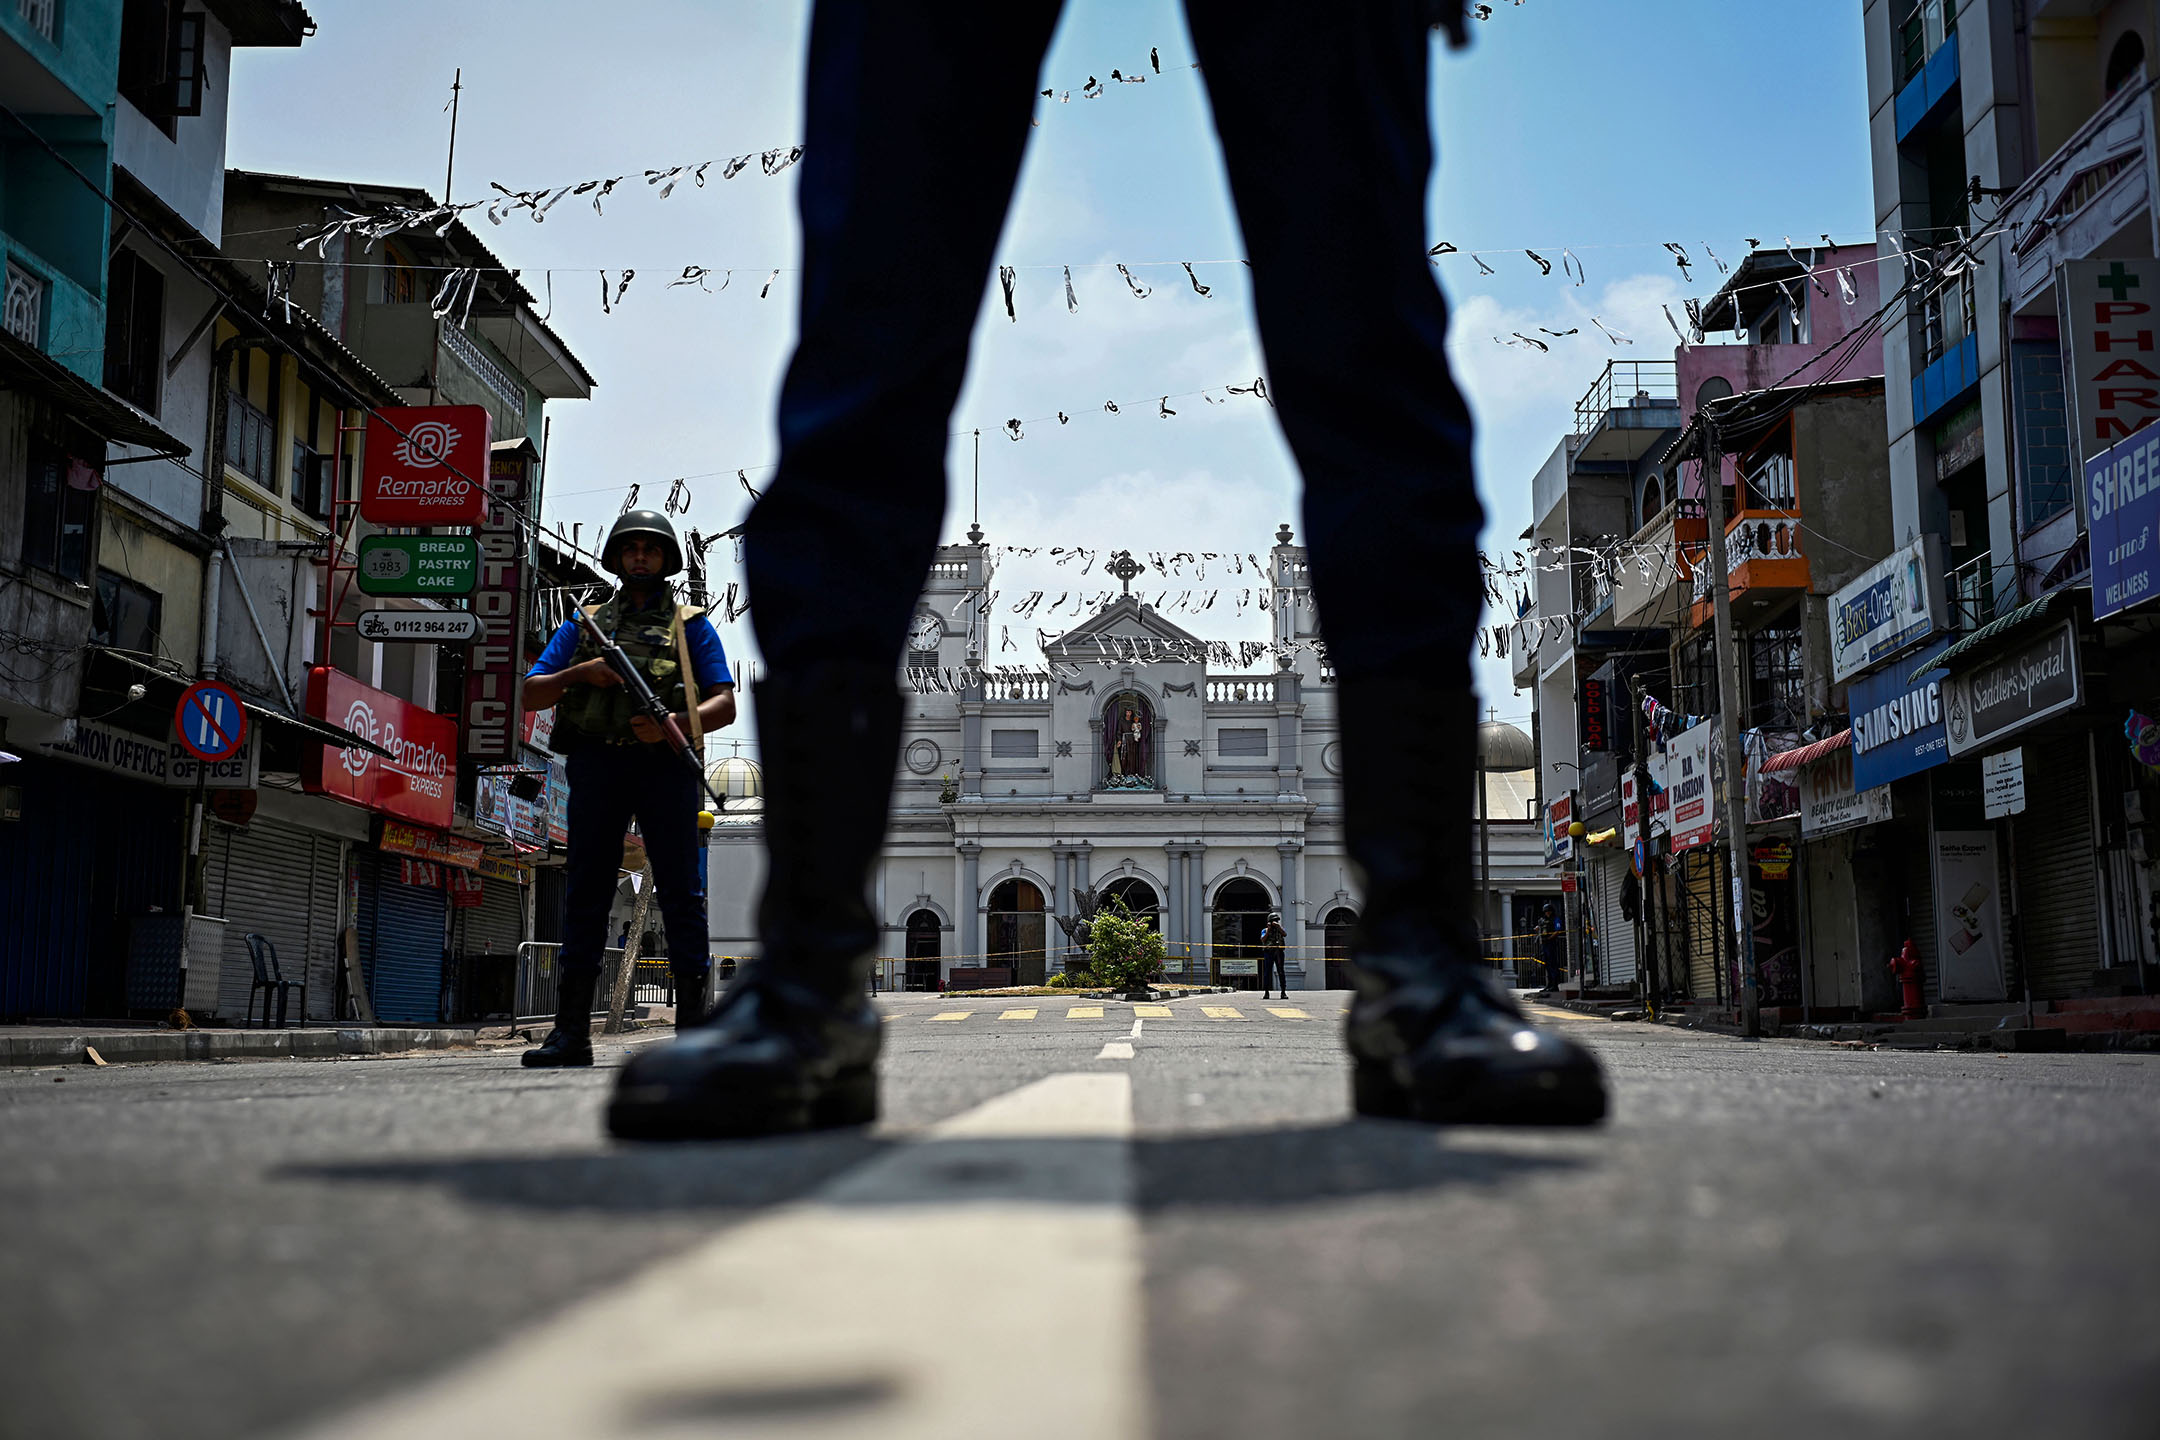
column 740, row 782
column 1502, row 747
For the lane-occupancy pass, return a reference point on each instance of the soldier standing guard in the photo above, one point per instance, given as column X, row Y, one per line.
column 620, row 768
column 1272, row 968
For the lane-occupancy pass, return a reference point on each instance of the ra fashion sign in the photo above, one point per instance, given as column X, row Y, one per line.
column 1895, row 603
column 2019, row 690
column 1694, row 805
column 1897, row 725
column 2122, row 509
column 426, row 465
column 416, row 781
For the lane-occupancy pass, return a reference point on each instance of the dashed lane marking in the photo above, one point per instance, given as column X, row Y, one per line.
column 1152, row 1012
column 1115, row 1050
column 952, row 1015
column 1288, row 1012
column 1084, row 1012
column 1017, row 1015
column 1221, row 1012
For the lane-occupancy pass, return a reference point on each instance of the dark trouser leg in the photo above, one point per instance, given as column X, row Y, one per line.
column 667, row 810
column 1326, row 139
column 918, row 115
column 917, row 118
column 601, row 800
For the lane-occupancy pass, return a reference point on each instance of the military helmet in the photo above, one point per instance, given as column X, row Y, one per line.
column 642, row 522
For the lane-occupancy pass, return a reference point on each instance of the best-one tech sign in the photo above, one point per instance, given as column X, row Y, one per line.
column 416, row 781
column 426, row 465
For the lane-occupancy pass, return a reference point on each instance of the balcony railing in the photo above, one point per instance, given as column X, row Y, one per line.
column 1626, row 383
column 1931, row 23
column 1018, row 687
column 1768, row 541
column 1241, row 690
column 1972, row 592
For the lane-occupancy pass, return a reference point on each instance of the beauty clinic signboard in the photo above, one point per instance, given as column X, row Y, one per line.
column 417, row 781
column 493, row 676
column 426, row 465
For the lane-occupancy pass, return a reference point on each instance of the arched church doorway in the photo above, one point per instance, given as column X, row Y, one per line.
column 925, row 944
column 1241, row 911
column 1018, row 930
column 1339, row 923
column 1138, row 896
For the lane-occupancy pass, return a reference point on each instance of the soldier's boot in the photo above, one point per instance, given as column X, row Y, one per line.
column 690, row 982
column 1434, row 1035
column 792, row 1043
column 570, row 1042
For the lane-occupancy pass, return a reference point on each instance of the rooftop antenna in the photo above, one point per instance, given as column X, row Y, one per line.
column 457, row 83
column 975, row 531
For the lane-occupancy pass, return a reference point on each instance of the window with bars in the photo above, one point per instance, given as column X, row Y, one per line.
column 250, row 438
column 43, row 16
column 1695, row 683
column 1777, row 678
column 59, row 503
column 24, row 317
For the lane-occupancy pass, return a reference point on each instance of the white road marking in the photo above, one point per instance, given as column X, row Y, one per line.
column 1136, row 1028
column 1115, row 1050
column 837, row 1315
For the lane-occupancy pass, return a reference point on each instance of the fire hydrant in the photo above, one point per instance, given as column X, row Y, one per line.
column 1905, row 968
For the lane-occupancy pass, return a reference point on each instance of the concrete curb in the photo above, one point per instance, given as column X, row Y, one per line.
column 157, row 1045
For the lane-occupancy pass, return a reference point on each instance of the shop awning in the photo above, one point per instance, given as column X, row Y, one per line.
column 27, row 370
column 1801, row 755
column 321, row 731
column 2055, row 602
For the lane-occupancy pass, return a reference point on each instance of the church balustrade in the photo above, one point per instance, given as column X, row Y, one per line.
column 949, row 570
column 1241, row 690
column 1022, row 687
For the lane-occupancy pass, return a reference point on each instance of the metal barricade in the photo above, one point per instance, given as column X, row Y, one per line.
column 538, row 978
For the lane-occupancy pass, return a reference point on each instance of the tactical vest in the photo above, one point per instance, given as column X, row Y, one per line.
column 601, row 715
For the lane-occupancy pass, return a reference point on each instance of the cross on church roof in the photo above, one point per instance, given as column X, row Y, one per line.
column 1124, row 567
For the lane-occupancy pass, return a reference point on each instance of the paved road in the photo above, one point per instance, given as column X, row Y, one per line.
column 1047, row 1237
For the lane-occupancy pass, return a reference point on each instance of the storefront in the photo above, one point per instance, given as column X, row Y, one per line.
column 276, row 867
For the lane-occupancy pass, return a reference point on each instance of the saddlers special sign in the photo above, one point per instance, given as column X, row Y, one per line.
column 416, row 781
column 492, row 673
column 426, row 465
column 2004, row 696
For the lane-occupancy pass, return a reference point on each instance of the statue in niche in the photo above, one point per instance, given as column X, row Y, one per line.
column 1128, row 741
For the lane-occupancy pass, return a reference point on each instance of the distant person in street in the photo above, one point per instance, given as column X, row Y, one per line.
column 917, row 119
column 1552, row 949
column 1272, row 940
column 621, row 769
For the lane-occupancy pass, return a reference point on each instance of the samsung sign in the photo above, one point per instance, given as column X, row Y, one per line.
column 1895, row 603
column 1898, row 724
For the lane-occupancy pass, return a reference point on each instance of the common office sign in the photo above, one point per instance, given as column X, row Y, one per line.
column 2122, row 509
column 1894, row 604
column 1897, row 724
column 2030, row 684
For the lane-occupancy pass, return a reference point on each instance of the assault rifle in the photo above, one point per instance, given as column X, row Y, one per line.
column 649, row 705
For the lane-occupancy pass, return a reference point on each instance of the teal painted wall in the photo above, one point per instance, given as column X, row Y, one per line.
column 51, row 224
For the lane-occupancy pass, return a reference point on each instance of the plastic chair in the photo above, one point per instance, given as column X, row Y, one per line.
column 269, row 979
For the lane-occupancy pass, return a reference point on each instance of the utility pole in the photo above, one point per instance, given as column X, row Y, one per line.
column 1731, row 678
column 457, row 83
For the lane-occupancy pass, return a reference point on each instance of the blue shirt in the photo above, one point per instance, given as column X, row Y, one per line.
column 707, row 659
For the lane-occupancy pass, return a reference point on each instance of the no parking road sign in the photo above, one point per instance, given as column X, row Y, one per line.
column 211, row 721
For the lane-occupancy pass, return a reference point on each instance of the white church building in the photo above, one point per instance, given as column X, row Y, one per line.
column 1203, row 801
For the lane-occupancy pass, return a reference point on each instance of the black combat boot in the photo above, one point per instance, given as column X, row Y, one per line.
column 1434, row 1035
column 690, row 993
column 793, row 1042
column 570, row 1042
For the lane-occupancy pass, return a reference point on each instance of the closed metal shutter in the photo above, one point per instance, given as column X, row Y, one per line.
column 496, row 924
column 401, row 943
column 1916, row 846
column 47, row 864
column 2056, row 882
column 1616, row 933
column 1699, row 903
column 279, row 881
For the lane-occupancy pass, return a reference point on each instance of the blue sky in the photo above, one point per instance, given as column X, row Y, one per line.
column 1602, row 126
